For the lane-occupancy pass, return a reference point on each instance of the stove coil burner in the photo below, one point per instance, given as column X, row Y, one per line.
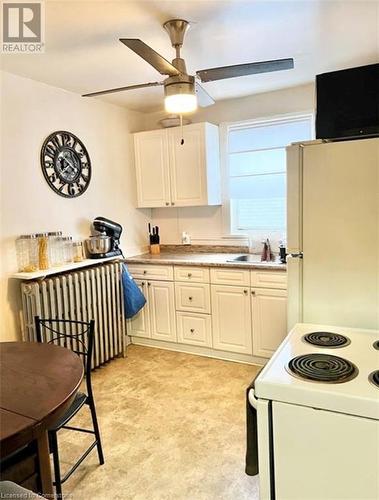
column 322, row 368
column 376, row 345
column 374, row 378
column 326, row 339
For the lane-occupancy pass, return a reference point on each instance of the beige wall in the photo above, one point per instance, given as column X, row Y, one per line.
column 29, row 112
column 205, row 224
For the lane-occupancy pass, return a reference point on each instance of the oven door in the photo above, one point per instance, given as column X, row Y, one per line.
column 323, row 454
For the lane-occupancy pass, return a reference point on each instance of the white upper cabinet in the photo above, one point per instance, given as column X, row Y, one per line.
column 153, row 177
column 173, row 174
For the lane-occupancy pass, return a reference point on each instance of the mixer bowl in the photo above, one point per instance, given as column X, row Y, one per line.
column 98, row 245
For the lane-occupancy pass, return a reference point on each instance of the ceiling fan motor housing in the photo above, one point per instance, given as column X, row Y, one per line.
column 181, row 84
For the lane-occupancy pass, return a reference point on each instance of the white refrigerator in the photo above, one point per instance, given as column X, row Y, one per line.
column 333, row 233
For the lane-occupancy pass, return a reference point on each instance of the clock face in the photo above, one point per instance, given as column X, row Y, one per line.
column 66, row 164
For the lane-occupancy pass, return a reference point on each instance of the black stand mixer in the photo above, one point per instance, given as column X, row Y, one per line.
column 107, row 243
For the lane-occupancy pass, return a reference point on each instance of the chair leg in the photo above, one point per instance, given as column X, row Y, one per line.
column 57, row 470
column 97, row 431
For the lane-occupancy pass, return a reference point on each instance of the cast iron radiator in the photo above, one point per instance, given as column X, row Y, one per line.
column 85, row 294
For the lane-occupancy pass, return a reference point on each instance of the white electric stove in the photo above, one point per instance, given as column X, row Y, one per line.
column 317, row 403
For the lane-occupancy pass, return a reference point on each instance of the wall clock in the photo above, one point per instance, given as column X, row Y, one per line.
column 66, row 164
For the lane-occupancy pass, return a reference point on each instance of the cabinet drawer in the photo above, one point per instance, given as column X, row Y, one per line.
column 194, row 329
column 269, row 279
column 147, row 271
column 193, row 274
column 226, row 276
column 194, row 297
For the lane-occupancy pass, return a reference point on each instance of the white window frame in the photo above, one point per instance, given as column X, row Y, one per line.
column 224, row 129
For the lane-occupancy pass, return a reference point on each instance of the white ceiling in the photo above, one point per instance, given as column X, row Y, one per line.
column 83, row 53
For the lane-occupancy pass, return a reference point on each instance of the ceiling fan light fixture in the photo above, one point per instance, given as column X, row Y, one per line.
column 180, row 97
column 180, row 103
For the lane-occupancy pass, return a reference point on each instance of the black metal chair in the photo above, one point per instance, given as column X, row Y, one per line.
column 77, row 336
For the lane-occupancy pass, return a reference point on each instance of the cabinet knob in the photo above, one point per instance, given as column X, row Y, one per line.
column 245, row 292
column 189, row 275
column 190, row 298
column 172, row 203
column 145, row 272
column 252, row 292
column 148, row 284
column 192, row 330
column 167, row 203
column 143, row 283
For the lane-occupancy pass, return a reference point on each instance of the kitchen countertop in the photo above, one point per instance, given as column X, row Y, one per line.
column 205, row 260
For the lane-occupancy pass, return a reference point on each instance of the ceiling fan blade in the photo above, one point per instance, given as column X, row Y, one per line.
column 120, row 89
column 156, row 60
column 212, row 74
column 203, row 98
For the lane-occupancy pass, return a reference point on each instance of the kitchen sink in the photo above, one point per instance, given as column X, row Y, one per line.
column 246, row 258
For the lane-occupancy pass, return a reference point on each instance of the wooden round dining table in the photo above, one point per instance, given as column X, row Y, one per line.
column 38, row 382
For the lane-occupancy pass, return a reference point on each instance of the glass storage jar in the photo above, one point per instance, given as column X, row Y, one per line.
column 27, row 253
column 54, row 256
column 43, row 250
column 67, row 249
column 77, row 251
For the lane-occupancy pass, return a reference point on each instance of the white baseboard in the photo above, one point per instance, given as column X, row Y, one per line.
column 200, row 351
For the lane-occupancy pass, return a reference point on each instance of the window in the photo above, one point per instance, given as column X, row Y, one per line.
column 256, row 167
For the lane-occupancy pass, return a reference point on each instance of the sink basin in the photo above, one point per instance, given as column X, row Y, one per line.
column 246, row 258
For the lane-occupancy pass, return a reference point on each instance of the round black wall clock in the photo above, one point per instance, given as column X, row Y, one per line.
column 66, row 164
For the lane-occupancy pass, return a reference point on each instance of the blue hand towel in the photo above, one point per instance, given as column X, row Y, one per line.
column 134, row 299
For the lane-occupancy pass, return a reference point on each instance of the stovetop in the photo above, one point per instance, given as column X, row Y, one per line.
column 325, row 367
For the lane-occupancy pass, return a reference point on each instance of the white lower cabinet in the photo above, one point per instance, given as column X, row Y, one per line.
column 157, row 318
column 193, row 297
column 269, row 319
column 194, row 329
column 226, row 314
column 162, row 310
column 231, row 318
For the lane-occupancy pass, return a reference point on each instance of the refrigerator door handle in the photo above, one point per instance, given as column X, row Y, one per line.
column 298, row 255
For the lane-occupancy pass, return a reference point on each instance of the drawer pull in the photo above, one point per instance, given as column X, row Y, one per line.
column 189, row 275
column 145, row 272
column 192, row 330
column 190, row 298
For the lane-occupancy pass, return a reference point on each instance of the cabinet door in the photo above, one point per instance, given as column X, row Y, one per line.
column 231, row 319
column 139, row 325
column 162, row 310
column 152, row 168
column 269, row 313
column 187, row 166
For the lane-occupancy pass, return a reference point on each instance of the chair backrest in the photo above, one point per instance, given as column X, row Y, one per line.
column 78, row 336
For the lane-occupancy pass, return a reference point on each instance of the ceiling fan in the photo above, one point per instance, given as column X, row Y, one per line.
column 182, row 91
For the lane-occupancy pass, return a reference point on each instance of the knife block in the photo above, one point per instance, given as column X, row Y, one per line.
column 155, row 249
